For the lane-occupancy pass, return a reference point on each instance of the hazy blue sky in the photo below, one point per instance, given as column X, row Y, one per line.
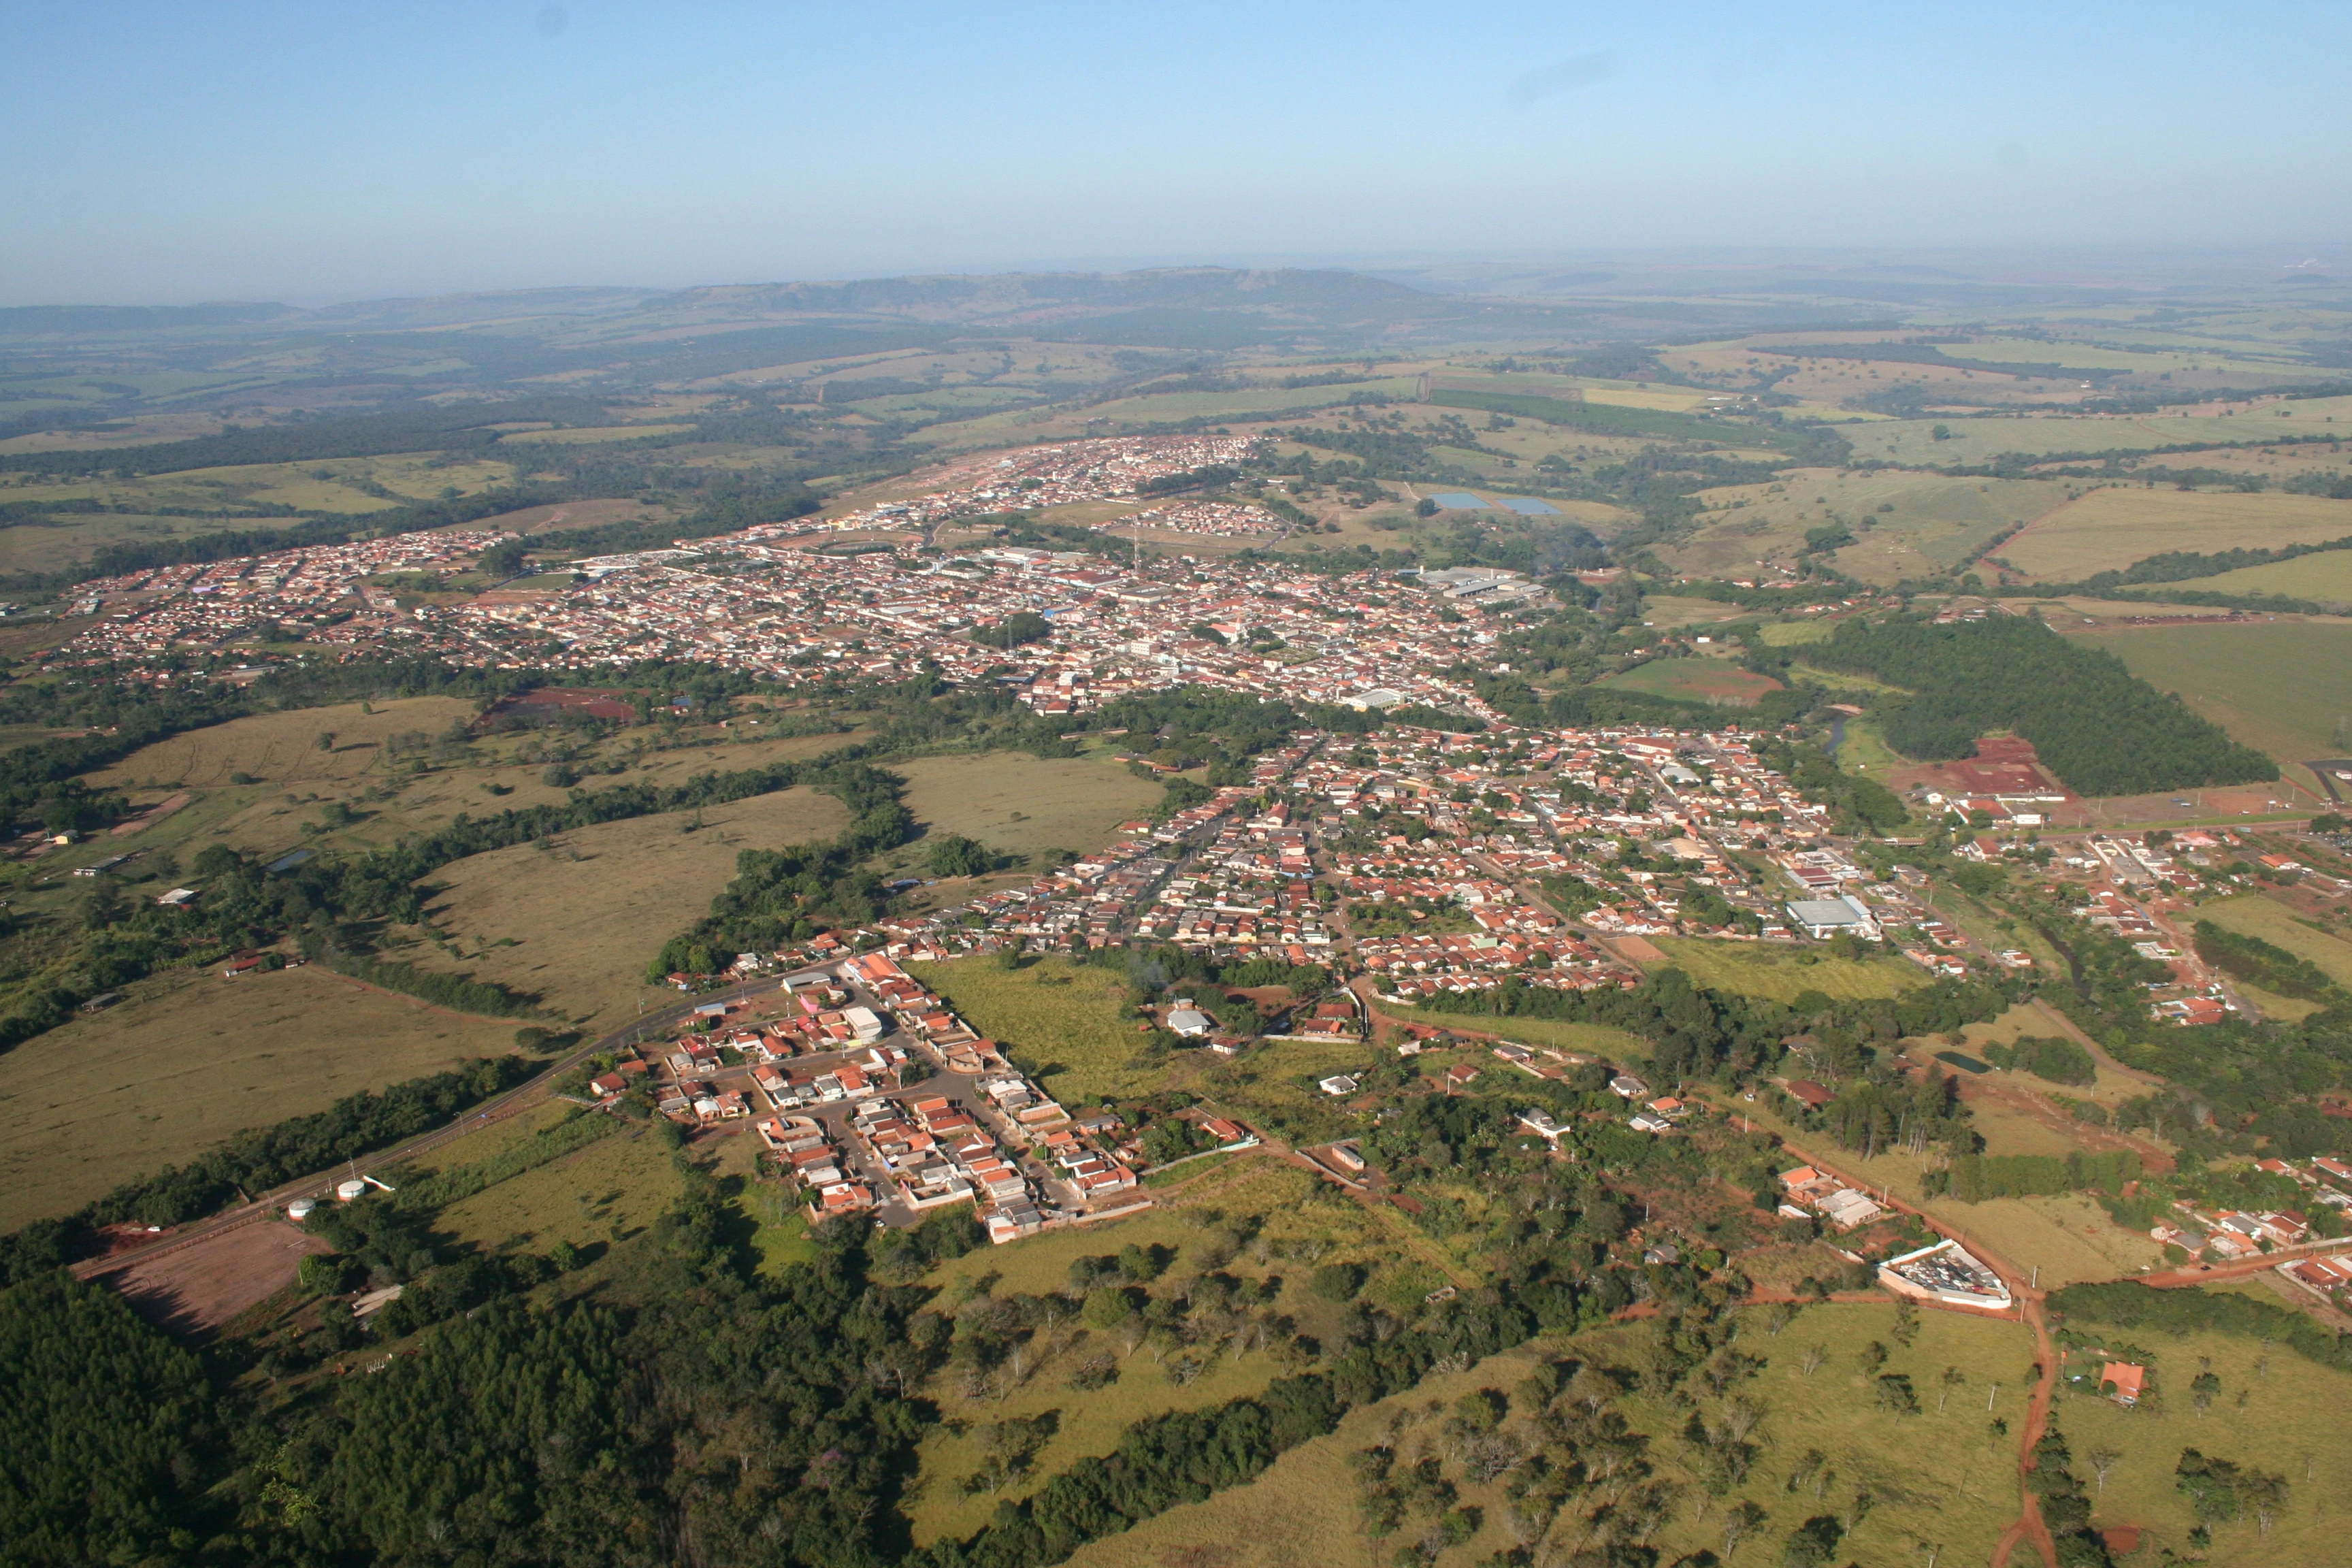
column 170, row 153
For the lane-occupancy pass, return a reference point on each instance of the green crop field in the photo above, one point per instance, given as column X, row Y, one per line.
column 2111, row 528
column 1782, row 974
column 2276, row 685
column 191, row 1058
column 1715, row 682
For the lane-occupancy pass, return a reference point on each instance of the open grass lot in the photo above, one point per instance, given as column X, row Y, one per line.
column 1979, row 440
column 2108, row 529
column 564, row 516
column 1711, row 680
column 586, row 914
column 2326, row 577
column 191, row 1058
column 1904, row 524
column 1932, row 1477
column 1762, row 969
column 1063, row 1024
column 2276, row 685
column 1023, row 805
column 588, row 435
column 1671, row 612
column 1297, row 1217
column 326, row 484
column 603, row 1193
column 282, row 748
column 1790, row 633
column 2275, row 1411
column 1594, row 1039
column 52, row 547
column 2254, row 915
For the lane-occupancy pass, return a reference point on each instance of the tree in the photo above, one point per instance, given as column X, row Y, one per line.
column 1739, row 1521
column 956, row 856
column 2101, row 1461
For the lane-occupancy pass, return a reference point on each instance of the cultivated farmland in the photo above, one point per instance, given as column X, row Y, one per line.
column 2276, row 685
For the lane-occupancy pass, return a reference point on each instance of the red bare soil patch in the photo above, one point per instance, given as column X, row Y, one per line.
column 2003, row 764
column 2122, row 1539
column 204, row 1285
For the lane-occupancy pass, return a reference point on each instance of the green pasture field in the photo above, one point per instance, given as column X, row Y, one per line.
column 1980, row 440
column 2275, row 1411
column 68, row 538
column 1592, row 1039
column 605, row 1191
column 557, row 519
column 586, row 435
column 2254, row 915
column 2068, row 1238
column 2326, row 577
column 189, row 1059
column 2276, row 685
column 1063, row 1024
column 1790, row 634
column 1669, row 612
column 2110, row 527
column 1759, row 969
column 1939, row 1476
column 1712, row 681
column 282, row 748
column 1023, row 804
column 412, row 477
column 578, row 922
column 1300, row 1221
column 1935, row 522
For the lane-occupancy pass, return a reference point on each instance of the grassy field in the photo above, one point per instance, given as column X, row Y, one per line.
column 589, row 434
column 2276, row 685
column 1063, row 1024
column 2326, row 577
column 2109, row 529
column 1297, row 1218
column 578, row 922
column 2254, row 915
column 52, row 548
column 192, row 1057
column 282, row 748
column 1023, row 805
column 1708, row 681
column 327, row 484
column 2274, row 1411
column 605, row 1193
column 1932, row 1477
column 1904, row 524
column 1757, row 969
column 1594, row 1039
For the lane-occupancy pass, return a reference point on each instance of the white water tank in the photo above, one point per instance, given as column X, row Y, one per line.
column 300, row 1209
column 350, row 1192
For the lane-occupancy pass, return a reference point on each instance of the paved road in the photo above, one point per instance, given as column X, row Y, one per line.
column 521, row 1097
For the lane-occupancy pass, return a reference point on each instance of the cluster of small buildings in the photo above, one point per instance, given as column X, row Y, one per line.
column 1807, row 1192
